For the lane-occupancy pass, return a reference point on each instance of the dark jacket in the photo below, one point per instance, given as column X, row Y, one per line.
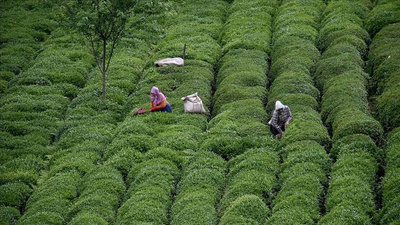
column 280, row 118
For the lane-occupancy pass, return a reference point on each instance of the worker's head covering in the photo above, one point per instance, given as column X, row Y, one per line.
column 279, row 105
column 158, row 97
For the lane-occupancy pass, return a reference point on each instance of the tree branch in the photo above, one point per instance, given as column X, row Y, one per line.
column 96, row 57
column 114, row 42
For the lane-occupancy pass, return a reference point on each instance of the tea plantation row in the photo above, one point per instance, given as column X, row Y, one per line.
column 344, row 108
column 238, row 131
column 176, row 184
column 305, row 161
column 82, row 160
column 384, row 65
column 81, row 136
column 24, row 27
column 33, row 106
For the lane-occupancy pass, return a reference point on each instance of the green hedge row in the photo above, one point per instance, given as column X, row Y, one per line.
column 247, row 209
column 383, row 24
column 199, row 190
column 146, row 132
column 100, row 194
column 383, row 14
column 167, row 135
column 151, row 187
column 350, row 197
column 340, row 74
column 85, row 133
column 25, row 25
column 9, row 215
column 33, row 106
column 385, row 68
column 32, row 110
column 250, row 186
column 254, row 21
column 239, row 119
column 389, row 214
column 50, row 203
column 100, row 133
column 198, row 25
column 305, row 162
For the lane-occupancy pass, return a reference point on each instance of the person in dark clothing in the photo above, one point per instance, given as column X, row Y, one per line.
column 281, row 118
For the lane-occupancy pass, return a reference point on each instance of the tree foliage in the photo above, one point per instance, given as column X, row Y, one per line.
column 102, row 22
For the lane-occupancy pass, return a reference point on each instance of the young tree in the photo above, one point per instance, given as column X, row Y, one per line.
column 102, row 22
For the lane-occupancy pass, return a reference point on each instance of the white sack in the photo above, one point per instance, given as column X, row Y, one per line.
column 169, row 61
column 193, row 104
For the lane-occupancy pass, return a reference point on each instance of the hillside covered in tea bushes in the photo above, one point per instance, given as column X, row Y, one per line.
column 67, row 156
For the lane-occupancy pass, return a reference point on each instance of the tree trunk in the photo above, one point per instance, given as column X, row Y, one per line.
column 104, row 68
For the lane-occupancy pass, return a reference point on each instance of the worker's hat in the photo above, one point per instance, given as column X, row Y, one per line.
column 279, row 105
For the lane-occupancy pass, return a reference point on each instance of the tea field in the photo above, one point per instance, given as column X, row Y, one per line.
column 69, row 157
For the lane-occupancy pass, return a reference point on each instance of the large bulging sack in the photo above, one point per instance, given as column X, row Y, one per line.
column 169, row 61
column 193, row 104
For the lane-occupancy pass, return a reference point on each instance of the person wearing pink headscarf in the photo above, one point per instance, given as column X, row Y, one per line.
column 159, row 102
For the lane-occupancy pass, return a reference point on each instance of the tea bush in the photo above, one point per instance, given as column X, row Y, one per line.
column 49, row 204
column 390, row 184
column 9, row 215
column 155, row 177
column 101, row 204
column 14, row 194
column 316, row 156
column 251, row 174
column 310, row 188
column 33, row 108
column 237, row 105
column 45, row 218
column 104, row 178
column 349, row 99
column 351, row 189
column 23, row 32
column 254, row 19
column 350, row 197
column 294, row 45
column 22, row 168
column 241, row 80
column 295, row 83
column 346, row 213
column 55, row 130
column 304, row 159
column 87, row 219
column 248, row 206
column 89, row 122
column 384, row 13
column 199, row 190
column 300, row 202
column 51, row 201
column 357, row 141
column 349, row 90
column 80, row 162
column 331, row 67
column 61, row 186
column 353, row 121
column 385, row 68
column 304, row 129
column 199, row 28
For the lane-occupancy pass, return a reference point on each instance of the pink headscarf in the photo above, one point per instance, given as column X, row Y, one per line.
column 158, row 96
